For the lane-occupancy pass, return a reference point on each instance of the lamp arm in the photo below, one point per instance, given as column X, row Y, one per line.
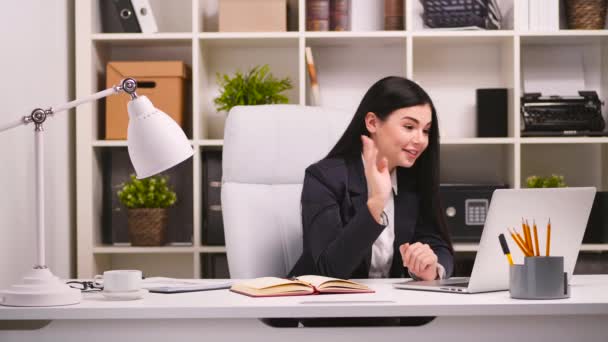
column 38, row 116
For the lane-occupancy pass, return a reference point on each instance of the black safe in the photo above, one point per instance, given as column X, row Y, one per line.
column 465, row 207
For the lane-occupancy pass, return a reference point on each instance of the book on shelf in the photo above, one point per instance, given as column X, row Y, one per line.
column 314, row 82
column 317, row 15
column 300, row 286
column 394, row 12
column 339, row 15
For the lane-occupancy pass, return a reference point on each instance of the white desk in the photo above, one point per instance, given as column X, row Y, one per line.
column 224, row 316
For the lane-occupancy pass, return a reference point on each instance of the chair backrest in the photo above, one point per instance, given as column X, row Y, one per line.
column 266, row 150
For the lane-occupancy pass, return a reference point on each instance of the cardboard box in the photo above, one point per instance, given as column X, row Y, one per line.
column 163, row 82
column 252, row 15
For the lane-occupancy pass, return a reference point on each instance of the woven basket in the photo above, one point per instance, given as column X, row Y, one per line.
column 147, row 226
column 586, row 14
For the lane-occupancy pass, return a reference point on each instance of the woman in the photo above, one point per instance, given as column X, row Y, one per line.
column 370, row 209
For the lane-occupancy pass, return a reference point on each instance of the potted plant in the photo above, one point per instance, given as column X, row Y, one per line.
column 553, row 181
column 257, row 86
column 147, row 201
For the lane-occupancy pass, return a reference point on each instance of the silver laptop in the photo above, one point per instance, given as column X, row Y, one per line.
column 568, row 209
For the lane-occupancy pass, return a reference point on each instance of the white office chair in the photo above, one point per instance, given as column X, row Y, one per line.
column 266, row 150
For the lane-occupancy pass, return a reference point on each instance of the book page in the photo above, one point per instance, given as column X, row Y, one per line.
column 325, row 282
column 266, row 282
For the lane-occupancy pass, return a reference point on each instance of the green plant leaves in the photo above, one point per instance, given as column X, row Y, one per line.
column 553, row 181
column 152, row 192
column 257, row 86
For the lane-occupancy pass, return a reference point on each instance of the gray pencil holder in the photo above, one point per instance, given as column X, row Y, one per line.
column 539, row 277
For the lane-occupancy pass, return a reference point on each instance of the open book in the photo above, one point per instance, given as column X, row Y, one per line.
column 300, row 286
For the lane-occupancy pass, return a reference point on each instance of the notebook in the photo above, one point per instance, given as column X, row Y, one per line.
column 568, row 209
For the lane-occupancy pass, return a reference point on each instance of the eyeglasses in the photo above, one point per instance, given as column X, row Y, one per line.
column 85, row 286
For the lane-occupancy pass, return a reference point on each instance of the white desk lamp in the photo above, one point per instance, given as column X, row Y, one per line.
column 155, row 143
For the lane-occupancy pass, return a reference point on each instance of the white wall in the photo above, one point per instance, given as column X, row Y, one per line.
column 36, row 64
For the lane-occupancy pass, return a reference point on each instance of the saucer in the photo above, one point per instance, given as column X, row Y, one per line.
column 133, row 295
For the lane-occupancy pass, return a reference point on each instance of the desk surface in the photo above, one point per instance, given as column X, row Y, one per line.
column 589, row 296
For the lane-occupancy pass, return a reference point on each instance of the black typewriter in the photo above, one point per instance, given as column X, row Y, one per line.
column 562, row 115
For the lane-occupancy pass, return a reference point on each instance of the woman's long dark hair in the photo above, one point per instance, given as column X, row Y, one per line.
column 384, row 97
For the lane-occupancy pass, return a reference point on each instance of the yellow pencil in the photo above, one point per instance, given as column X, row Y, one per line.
column 519, row 241
column 537, row 252
column 527, row 236
column 548, row 237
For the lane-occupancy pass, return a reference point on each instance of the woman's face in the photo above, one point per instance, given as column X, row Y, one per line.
column 403, row 136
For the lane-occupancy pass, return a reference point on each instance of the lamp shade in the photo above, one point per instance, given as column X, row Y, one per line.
column 155, row 142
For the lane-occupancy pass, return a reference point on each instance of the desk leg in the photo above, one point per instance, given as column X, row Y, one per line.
column 466, row 329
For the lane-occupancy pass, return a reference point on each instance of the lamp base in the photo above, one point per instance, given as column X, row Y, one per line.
column 40, row 288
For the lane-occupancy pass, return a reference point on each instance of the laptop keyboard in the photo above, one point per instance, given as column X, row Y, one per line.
column 458, row 284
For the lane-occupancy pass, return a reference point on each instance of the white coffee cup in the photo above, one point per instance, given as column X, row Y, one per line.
column 119, row 280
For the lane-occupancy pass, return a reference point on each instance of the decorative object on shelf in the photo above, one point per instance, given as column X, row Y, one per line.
column 315, row 95
column 147, row 201
column 339, row 15
column 553, row 181
column 117, row 170
column 155, row 143
column 257, row 86
column 483, row 14
column 317, row 15
column 394, row 14
column 586, row 14
column 252, row 16
column 163, row 82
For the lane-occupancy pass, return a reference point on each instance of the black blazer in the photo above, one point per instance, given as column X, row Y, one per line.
column 339, row 230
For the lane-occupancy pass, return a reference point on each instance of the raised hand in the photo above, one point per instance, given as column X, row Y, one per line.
column 377, row 176
column 420, row 259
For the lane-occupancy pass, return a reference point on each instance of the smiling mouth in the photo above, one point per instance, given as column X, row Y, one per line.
column 411, row 153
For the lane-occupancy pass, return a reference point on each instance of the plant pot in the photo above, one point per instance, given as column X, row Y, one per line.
column 586, row 14
column 147, row 226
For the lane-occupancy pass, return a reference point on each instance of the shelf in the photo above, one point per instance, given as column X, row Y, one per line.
column 115, row 143
column 132, row 37
column 565, row 140
column 143, row 250
column 211, row 142
column 430, row 33
column 249, row 39
column 477, row 141
column 211, row 249
column 375, row 38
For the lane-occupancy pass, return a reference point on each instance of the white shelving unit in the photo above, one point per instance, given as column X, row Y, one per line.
column 450, row 65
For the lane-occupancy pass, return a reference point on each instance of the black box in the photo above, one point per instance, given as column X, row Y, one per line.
column 597, row 226
column 465, row 209
column 492, row 112
column 213, row 225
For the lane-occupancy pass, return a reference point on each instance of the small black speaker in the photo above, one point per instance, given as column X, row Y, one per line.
column 492, row 112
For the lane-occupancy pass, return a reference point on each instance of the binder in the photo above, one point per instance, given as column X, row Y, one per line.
column 145, row 16
column 213, row 225
column 118, row 16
